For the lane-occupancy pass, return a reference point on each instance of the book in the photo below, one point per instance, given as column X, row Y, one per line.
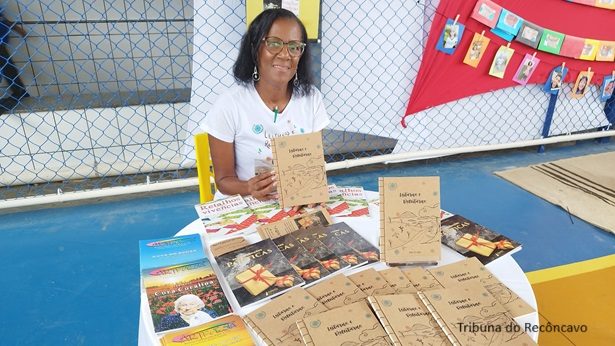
column 356, row 200
column 316, row 217
column 409, row 219
column 225, row 216
column 473, row 240
column 354, row 324
column 300, row 167
column 398, row 280
column 306, row 265
column 470, row 315
column 163, row 252
column 228, row 245
column 407, row 321
column 355, row 241
column 421, row 279
column 229, row 331
column 257, row 271
column 184, row 295
column 336, row 291
column 336, row 203
column 265, row 211
column 371, row 282
column 472, row 271
column 336, row 245
column 275, row 322
column 321, row 252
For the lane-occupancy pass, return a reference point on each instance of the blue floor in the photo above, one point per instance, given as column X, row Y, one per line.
column 72, row 274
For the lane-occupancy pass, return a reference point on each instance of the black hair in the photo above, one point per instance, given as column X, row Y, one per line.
column 248, row 51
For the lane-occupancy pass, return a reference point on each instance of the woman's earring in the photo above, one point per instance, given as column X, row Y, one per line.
column 255, row 74
column 296, row 81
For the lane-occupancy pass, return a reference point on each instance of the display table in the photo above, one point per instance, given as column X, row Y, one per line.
column 505, row 269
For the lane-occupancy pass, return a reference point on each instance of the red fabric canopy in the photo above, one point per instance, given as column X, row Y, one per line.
column 443, row 78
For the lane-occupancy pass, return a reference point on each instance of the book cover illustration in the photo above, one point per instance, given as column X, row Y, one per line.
column 421, row 279
column 476, row 50
column 450, row 36
column 357, row 202
column 500, row 61
column 336, row 245
column 398, row 280
column 316, row 248
column 229, row 331
column 300, row 168
column 336, row 203
column 473, row 240
column 164, row 252
column 407, row 320
column 275, row 322
column 265, row 211
column 306, row 265
column 184, row 295
column 354, row 324
column 410, row 219
column 257, row 272
column 371, row 282
column 225, row 216
column 470, row 270
column 336, row 291
column 460, row 308
column 353, row 239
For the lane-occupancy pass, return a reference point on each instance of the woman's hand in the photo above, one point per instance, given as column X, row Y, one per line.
column 263, row 186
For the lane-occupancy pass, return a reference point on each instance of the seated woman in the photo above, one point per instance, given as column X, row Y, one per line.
column 274, row 97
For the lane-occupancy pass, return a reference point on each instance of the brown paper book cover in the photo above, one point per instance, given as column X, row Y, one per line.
column 421, row 279
column 228, row 245
column 471, row 270
column 398, row 280
column 275, row 322
column 409, row 219
column 336, row 291
column 317, row 217
column 300, row 168
column 407, row 320
column 354, row 324
column 371, row 282
column 470, row 315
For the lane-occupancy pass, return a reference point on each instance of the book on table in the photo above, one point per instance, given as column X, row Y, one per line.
column 223, row 217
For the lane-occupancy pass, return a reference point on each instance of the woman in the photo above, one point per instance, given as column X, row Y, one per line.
column 189, row 308
column 581, row 86
column 274, row 97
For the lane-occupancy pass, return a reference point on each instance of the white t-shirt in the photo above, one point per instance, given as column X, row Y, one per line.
column 240, row 116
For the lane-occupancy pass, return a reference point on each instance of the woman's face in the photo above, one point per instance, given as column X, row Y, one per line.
column 582, row 83
column 279, row 69
column 187, row 309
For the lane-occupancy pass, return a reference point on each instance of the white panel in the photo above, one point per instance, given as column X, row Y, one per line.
column 137, row 28
column 178, row 45
column 159, row 44
column 161, row 122
column 55, row 29
column 135, row 10
column 174, row 9
column 144, row 68
column 73, row 129
column 162, row 68
column 52, row 10
column 182, row 83
column 30, row 12
column 89, row 88
column 41, row 132
column 140, row 45
column 80, row 161
column 146, row 84
column 94, row 10
column 167, row 153
column 182, row 119
column 154, row 9
column 110, row 160
column 104, row 128
column 137, row 156
column 69, row 89
column 59, row 47
column 133, row 124
column 12, row 138
column 48, row 164
column 166, row 84
column 65, row 72
column 118, row 28
column 105, row 70
column 128, row 85
column 115, row 9
column 35, row 30
column 74, row 10
column 80, row 47
column 101, row 47
column 181, row 66
column 85, row 71
column 16, row 165
column 122, row 47
column 106, row 87
column 125, row 69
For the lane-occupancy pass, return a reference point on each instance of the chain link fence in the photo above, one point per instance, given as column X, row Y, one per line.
column 116, row 89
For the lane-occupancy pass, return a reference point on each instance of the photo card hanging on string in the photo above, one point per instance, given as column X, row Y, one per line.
column 508, row 25
column 500, row 61
column 551, row 41
column 608, row 85
column 529, row 34
column 581, row 86
column 451, row 36
column 486, row 12
column 572, row 46
column 590, row 49
column 606, row 51
column 477, row 49
column 555, row 80
column 526, row 68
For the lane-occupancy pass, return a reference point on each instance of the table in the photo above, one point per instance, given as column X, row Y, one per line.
column 505, row 269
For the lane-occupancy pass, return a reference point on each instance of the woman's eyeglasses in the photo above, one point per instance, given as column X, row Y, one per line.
column 275, row 45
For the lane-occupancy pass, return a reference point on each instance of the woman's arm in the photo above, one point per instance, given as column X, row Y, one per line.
column 223, row 158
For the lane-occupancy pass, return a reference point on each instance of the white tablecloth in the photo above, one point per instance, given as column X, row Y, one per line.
column 505, row 269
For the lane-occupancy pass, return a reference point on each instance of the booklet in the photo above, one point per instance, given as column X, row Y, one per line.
column 336, row 245
column 353, row 239
column 229, row 331
column 258, row 271
column 304, row 263
column 473, row 240
column 398, row 280
column 331, row 261
column 336, row 291
column 265, row 211
column 336, row 203
column 356, row 200
column 316, row 217
column 225, row 216
column 276, row 322
column 371, row 282
column 300, row 168
column 409, row 220
column 354, row 324
column 421, row 279
column 169, row 251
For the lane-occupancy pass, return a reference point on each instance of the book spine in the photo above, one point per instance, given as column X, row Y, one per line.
column 384, row 321
column 257, row 331
column 381, row 240
column 305, row 335
column 438, row 319
column 276, row 166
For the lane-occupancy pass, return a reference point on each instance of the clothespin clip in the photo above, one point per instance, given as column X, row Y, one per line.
column 589, row 70
column 563, row 65
column 613, row 74
column 482, row 34
column 456, row 19
column 508, row 45
column 533, row 57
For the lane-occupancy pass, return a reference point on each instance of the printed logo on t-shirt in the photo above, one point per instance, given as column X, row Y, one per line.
column 257, row 128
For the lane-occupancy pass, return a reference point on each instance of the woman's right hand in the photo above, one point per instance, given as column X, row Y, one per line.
column 263, row 186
